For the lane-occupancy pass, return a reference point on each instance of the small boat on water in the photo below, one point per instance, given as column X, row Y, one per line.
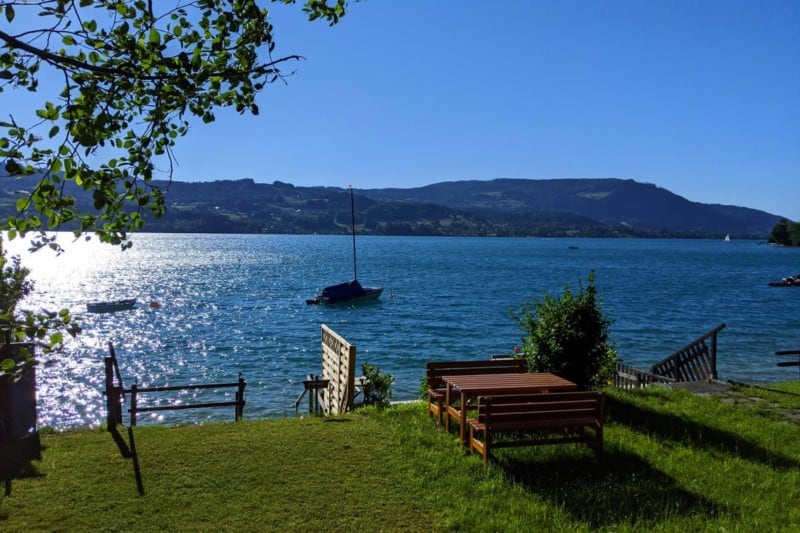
column 347, row 292
column 111, row 306
column 791, row 281
column 350, row 291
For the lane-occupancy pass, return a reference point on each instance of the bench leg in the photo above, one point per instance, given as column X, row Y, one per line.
column 435, row 408
column 476, row 445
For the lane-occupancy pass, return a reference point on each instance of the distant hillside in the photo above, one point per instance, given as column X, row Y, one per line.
column 503, row 207
column 611, row 202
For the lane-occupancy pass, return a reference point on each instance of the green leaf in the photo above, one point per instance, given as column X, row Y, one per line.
column 154, row 37
column 12, row 167
column 10, row 13
column 56, row 339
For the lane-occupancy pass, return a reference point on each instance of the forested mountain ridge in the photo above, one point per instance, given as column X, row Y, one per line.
column 502, row 207
column 611, row 202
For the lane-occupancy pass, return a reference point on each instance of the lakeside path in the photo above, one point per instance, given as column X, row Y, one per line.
column 778, row 400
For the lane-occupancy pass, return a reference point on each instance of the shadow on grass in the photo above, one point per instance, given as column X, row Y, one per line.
column 16, row 457
column 617, row 489
column 120, row 442
column 678, row 429
column 128, row 452
column 137, row 472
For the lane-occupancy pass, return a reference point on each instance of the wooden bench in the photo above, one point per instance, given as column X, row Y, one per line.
column 436, row 386
column 789, row 353
column 543, row 418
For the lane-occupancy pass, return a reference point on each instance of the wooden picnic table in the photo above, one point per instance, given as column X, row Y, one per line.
column 469, row 387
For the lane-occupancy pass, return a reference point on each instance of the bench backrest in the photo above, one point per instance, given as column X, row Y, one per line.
column 540, row 407
column 435, row 370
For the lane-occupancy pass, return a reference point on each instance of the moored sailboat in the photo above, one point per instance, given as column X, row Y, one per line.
column 350, row 291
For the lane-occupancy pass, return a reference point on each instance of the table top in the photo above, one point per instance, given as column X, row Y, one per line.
column 508, row 383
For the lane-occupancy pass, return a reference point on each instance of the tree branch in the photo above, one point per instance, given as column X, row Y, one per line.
column 62, row 61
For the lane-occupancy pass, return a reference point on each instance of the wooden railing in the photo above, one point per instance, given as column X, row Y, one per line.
column 697, row 361
column 238, row 403
column 630, row 377
column 789, row 353
column 115, row 394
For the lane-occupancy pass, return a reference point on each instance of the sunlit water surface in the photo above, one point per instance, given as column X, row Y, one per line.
column 233, row 304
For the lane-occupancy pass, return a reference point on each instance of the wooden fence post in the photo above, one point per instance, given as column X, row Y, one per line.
column 113, row 396
column 714, row 355
column 111, row 411
column 313, row 406
column 240, row 399
column 133, row 403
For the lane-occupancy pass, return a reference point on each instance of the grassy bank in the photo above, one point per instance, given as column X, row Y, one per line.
column 673, row 461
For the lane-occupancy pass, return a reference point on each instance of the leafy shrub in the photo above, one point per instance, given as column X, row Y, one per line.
column 569, row 336
column 44, row 328
column 423, row 388
column 377, row 387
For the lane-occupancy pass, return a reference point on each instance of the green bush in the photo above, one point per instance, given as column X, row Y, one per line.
column 569, row 336
column 786, row 233
column 377, row 387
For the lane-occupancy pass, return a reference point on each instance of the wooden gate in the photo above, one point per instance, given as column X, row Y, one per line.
column 339, row 367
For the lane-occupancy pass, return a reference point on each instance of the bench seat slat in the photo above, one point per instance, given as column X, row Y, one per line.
column 577, row 416
column 510, row 426
column 547, row 417
column 535, row 442
column 539, row 406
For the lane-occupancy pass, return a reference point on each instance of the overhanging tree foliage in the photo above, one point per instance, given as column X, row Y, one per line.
column 131, row 76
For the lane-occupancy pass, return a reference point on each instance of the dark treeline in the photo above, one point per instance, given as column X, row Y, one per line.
column 786, row 233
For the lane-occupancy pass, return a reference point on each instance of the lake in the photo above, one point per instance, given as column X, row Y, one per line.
column 231, row 304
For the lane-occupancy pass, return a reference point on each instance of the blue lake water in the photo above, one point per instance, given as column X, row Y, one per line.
column 236, row 303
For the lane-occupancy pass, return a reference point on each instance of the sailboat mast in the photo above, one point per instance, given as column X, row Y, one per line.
column 353, row 226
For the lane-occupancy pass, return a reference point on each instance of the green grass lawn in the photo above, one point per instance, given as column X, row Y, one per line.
column 674, row 461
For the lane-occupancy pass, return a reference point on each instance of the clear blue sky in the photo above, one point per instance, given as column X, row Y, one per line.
column 699, row 97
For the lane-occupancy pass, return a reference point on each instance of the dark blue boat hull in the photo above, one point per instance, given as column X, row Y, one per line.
column 347, row 292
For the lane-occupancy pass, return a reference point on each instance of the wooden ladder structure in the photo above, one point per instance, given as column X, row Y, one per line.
column 697, row 361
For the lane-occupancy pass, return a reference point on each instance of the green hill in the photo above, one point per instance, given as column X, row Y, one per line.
column 503, row 207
